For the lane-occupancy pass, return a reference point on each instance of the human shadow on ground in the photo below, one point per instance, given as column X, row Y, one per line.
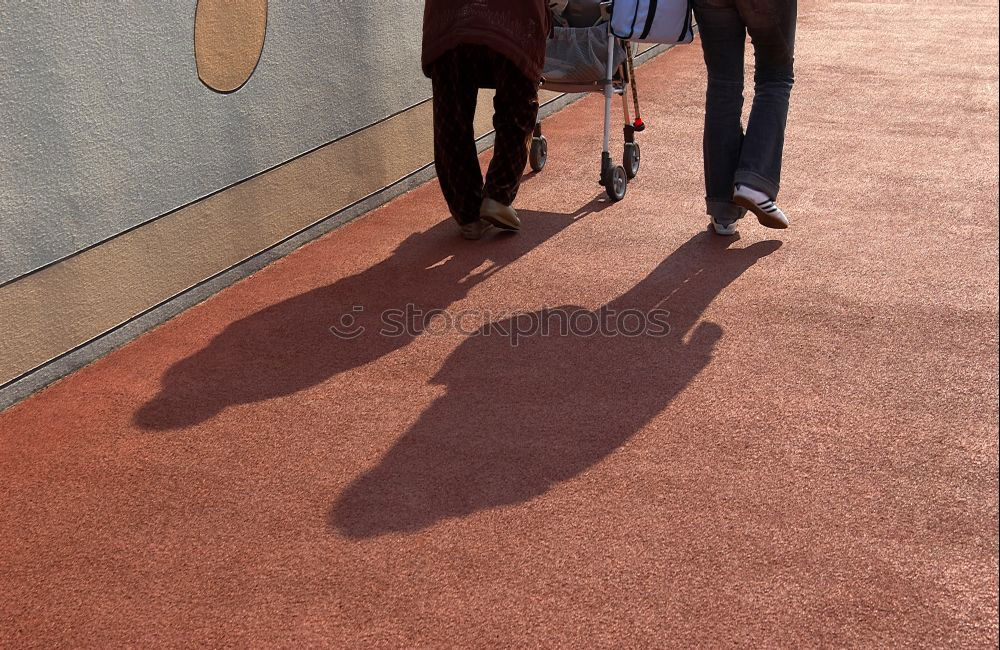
column 292, row 345
column 518, row 419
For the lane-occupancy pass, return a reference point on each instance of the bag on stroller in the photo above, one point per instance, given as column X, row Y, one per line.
column 579, row 55
column 653, row 21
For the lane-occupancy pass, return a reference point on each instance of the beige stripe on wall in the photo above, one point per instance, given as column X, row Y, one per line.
column 53, row 311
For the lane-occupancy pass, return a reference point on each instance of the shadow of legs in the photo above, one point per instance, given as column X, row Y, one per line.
column 517, row 419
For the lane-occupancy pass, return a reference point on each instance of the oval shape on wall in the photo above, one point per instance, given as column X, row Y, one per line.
column 228, row 41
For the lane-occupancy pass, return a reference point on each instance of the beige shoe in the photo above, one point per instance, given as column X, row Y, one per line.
column 500, row 215
column 475, row 230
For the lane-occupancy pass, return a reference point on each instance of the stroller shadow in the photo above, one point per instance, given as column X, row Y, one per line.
column 290, row 346
column 517, row 420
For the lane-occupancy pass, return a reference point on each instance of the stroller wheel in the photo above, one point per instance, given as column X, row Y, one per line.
column 539, row 153
column 631, row 159
column 616, row 183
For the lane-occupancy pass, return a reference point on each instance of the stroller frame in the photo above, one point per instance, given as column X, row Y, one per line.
column 613, row 177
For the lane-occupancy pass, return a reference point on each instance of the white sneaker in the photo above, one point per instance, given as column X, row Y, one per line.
column 500, row 215
column 723, row 228
column 768, row 213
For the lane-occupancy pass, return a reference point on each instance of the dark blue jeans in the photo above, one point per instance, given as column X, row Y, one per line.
column 732, row 156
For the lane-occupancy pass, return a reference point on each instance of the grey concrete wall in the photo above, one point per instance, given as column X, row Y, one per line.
column 105, row 123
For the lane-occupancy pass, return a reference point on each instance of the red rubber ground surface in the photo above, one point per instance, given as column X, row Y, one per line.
column 809, row 457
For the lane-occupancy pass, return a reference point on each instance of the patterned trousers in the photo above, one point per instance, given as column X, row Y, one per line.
column 457, row 77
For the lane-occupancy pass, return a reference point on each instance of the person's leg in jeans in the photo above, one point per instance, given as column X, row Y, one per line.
column 771, row 24
column 453, row 78
column 515, row 112
column 723, row 39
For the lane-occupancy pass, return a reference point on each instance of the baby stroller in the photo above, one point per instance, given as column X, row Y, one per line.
column 585, row 56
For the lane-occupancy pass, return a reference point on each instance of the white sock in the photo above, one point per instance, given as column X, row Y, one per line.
column 756, row 196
